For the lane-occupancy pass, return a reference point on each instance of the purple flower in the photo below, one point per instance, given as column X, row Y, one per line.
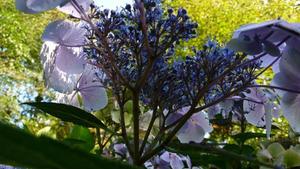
column 169, row 160
column 69, row 8
column 89, row 89
column 65, row 33
column 194, row 129
column 260, row 108
column 121, row 150
column 269, row 38
column 37, row 6
column 174, row 160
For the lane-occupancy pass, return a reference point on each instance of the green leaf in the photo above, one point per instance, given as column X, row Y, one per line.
column 83, row 134
column 128, row 107
column 19, row 148
column 291, row 158
column 46, row 131
column 275, row 149
column 70, row 114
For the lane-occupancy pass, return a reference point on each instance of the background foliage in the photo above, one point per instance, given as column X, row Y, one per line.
column 20, row 71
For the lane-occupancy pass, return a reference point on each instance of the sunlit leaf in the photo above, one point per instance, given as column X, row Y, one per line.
column 275, row 149
column 291, row 158
column 82, row 134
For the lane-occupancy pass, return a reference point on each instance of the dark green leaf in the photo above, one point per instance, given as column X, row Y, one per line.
column 242, row 137
column 19, row 148
column 70, row 114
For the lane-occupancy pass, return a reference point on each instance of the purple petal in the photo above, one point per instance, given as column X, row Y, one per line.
column 71, row 99
column 175, row 161
column 65, row 33
column 255, row 111
column 69, row 8
column 268, row 116
column 44, row 5
column 55, row 78
column 250, row 47
column 200, row 119
column 21, row 6
column 282, row 80
column 191, row 133
column 271, row 48
column 275, row 67
column 293, row 42
column 173, row 117
column 121, row 149
column 251, row 30
column 92, row 92
column 262, row 30
column 290, row 62
column 291, row 110
column 70, row 60
column 255, row 94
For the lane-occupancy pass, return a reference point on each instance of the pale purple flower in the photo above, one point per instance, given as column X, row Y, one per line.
column 65, row 33
column 289, row 78
column 169, row 160
column 70, row 60
column 89, row 89
column 120, row 149
column 54, row 77
column 174, row 160
column 254, row 39
column 37, row 6
column 260, row 108
column 223, row 108
column 194, row 129
column 69, row 8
